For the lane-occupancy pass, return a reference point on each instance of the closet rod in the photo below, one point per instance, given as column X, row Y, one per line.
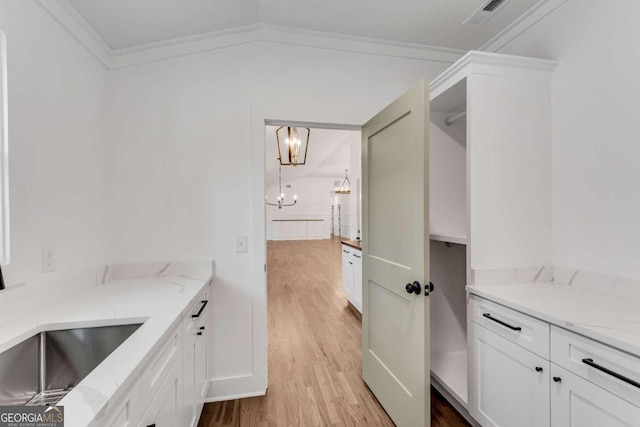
column 449, row 120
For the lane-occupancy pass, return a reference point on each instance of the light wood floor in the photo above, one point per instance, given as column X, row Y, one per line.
column 314, row 350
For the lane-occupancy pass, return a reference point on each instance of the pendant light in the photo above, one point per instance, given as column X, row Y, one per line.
column 344, row 187
column 280, row 203
column 292, row 151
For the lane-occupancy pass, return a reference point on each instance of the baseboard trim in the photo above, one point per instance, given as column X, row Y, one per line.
column 454, row 402
column 235, row 396
column 237, row 387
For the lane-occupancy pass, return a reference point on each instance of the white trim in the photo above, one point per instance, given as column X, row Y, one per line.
column 522, row 24
column 235, row 396
column 66, row 15
column 5, row 229
column 491, row 63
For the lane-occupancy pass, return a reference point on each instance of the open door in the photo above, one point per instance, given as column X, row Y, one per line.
column 395, row 211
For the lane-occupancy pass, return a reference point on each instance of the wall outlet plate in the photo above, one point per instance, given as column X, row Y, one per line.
column 48, row 259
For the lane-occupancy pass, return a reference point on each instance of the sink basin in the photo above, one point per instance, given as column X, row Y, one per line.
column 42, row 369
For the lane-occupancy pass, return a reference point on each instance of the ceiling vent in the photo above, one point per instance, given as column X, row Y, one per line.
column 485, row 12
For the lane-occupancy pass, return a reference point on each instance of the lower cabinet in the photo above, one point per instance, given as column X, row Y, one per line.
column 164, row 410
column 352, row 275
column 580, row 383
column 576, row 402
column 509, row 386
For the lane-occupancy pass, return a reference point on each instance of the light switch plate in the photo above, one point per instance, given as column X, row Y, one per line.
column 241, row 244
column 48, row 259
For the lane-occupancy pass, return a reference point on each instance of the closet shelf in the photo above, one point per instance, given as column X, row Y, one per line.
column 448, row 238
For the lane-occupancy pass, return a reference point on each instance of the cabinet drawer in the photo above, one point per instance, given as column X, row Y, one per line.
column 160, row 365
column 614, row 370
column 527, row 332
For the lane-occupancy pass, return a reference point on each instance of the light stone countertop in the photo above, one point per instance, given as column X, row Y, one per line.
column 608, row 312
column 158, row 299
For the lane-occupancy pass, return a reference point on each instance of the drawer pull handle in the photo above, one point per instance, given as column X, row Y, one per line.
column 614, row 374
column 346, row 252
column 204, row 304
column 557, row 379
column 357, row 256
column 513, row 328
column 538, row 369
column 199, row 333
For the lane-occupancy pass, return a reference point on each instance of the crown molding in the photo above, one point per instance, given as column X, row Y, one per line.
column 522, row 24
column 491, row 63
column 66, row 15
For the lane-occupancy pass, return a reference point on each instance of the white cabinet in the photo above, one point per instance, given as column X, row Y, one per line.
column 164, row 410
column 576, row 402
column 195, row 375
column 201, row 370
column 352, row 275
column 509, row 385
column 128, row 413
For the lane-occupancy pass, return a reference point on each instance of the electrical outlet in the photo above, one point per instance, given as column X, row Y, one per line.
column 48, row 259
column 241, row 244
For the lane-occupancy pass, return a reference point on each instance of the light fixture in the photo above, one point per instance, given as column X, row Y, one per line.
column 280, row 201
column 344, row 187
column 290, row 152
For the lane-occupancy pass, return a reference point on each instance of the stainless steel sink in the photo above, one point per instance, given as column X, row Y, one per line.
column 44, row 368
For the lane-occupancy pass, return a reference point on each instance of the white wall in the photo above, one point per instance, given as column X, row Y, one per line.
column 596, row 155
column 182, row 174
column 313, row 202
column 57, row 107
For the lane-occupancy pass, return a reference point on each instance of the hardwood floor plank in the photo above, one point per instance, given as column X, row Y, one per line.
column 315, row 368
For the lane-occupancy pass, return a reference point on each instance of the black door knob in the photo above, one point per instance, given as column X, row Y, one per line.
column 413, row 288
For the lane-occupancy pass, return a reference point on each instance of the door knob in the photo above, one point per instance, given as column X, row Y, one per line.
column 413, row 288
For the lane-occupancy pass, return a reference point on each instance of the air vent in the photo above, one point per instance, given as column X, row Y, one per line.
column 485, row 12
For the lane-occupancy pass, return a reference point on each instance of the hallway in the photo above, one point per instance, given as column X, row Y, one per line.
column 314, row 350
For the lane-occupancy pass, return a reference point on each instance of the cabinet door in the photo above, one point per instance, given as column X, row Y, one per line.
column 165, row 407
column 508, row 385
column 128, row 413
column 576, row 402
column 189, row 383
column 201, row 371
column 347, row 275
column 357, row 285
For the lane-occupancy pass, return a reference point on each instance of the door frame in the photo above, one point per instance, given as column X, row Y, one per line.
column 257, row 245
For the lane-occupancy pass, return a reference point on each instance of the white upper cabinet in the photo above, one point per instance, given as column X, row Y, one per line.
column 490, row 151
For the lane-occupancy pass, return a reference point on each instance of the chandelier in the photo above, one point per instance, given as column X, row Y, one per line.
column 290, row 149
column 280, row 203
column 344, row 187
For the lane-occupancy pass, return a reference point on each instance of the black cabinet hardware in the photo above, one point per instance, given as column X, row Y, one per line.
column 202, row 328
column 350, row 263
column 614, row 374
column 151, row 425
column 357, row 256
column 346, row 252
column 513, row 328
column 538, row 369
column 199, row 333
column 204, row 304
column 557, row 379
column 413, row 288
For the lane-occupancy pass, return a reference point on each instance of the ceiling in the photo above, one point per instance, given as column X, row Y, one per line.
column 328, row 155
column 126, row 24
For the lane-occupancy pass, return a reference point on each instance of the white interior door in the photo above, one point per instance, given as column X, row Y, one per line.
column 395, row 329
